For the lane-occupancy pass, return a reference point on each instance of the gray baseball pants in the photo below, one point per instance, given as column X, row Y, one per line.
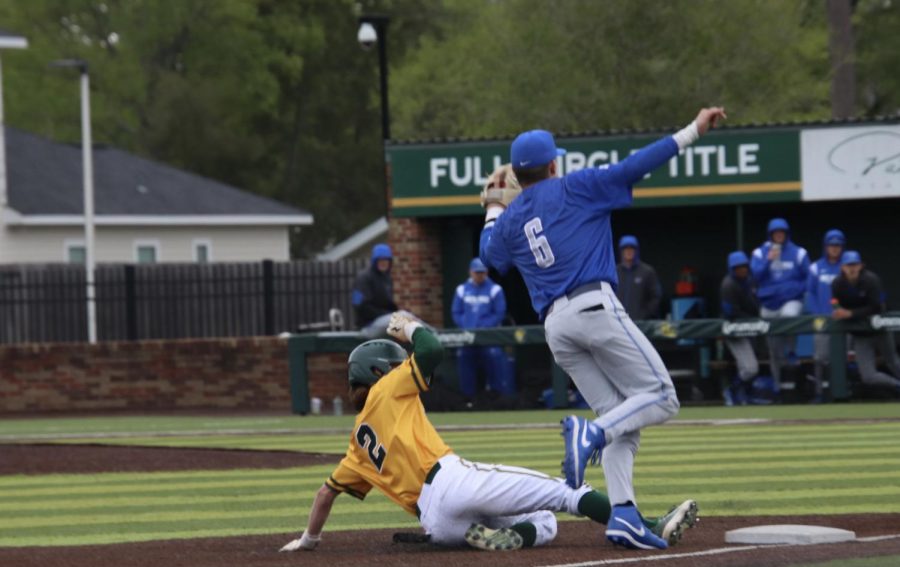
column 745, row 357
column 619, row 373
column 865, row 346
column 779, row 344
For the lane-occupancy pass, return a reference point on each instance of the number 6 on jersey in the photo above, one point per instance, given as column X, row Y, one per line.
column 540, row 246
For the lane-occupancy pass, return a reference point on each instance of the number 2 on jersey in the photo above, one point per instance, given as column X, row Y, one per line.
column 367, row 439
column 540, row 246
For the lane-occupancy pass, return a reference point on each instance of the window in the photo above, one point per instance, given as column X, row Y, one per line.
column 202, row 250
column 74, row 251
column 146, row 251
column 76, row 254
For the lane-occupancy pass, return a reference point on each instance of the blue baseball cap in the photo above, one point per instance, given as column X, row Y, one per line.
column 628, row 240
column 382, row 252
column 533, row 149
column 850, row 257
column 835, row 236
column 476, row 265
column 778, row 224
column 736, row 259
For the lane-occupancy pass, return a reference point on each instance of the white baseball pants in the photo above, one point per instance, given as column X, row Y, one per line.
column 465, row 492
column 618, row 372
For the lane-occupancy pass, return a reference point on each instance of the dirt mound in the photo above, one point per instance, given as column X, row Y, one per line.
column 65, row 458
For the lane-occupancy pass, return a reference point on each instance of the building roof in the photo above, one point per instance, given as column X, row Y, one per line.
column 662, row 130
column 12, row 40
column 45, row 180
column 352, row 244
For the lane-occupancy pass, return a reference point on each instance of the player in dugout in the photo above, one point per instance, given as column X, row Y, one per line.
column 396, row 449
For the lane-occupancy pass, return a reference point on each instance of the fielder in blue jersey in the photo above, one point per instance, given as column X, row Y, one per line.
column 557, row 234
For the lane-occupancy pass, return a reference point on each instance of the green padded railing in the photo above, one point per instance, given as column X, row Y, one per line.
column 300, row 346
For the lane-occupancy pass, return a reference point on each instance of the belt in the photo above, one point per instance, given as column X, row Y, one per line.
column 429, row 478
column 431, row 474
column 581, row 290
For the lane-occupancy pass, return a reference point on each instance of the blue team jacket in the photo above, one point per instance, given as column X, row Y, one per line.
column 781, row 280
column 477, row 306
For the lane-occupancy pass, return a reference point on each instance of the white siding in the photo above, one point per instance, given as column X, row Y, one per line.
column 117, row 244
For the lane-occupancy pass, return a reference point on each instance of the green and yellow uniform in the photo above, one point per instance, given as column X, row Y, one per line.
column 393, row 445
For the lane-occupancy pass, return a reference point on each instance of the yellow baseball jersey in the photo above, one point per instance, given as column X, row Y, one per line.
column 393, row 445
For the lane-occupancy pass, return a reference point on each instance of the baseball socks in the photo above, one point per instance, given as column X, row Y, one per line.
column 595, row 505
column 528, row 531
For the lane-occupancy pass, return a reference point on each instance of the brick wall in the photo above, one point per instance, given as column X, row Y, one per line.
column 244, row 374
column 328, row 379
column 417, row 271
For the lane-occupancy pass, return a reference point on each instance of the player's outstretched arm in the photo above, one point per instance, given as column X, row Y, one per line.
column 318, row 515
column 427, row 349
column 633, row 168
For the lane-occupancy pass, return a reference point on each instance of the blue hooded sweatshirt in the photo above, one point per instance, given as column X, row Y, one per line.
column 821, row 274
column 478, row 306
column 783, row 279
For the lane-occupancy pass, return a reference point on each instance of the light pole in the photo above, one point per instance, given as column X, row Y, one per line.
column 8, row 40
column 88, row 182
column 372, row 30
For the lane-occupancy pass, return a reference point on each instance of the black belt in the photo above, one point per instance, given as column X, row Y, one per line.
column 434, row 470
column 429, row 478
column 580, row 290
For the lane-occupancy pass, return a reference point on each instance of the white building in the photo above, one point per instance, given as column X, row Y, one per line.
column 144, row 211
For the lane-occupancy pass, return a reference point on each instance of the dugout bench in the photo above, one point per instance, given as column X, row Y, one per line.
column 302, row 345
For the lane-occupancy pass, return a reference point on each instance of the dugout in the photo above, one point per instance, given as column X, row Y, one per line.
column 715, row 197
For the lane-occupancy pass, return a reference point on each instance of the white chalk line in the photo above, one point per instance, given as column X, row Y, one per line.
column 715, row 551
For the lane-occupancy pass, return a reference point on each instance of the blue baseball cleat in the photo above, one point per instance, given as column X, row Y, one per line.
column 626, row 528
column 584, row 442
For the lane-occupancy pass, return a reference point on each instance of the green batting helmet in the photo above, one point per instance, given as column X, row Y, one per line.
column 373, row 359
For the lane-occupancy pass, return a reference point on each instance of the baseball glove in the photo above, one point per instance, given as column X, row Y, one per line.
column 501, row 187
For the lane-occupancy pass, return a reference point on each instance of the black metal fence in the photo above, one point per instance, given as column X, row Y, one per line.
column 46, row 302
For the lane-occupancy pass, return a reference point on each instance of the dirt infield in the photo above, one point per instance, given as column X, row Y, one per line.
column 577, row 542
column 63, row 458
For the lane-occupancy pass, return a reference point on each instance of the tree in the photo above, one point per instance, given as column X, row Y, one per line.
column 878, row 55
column 273, row 96
column 578, row 65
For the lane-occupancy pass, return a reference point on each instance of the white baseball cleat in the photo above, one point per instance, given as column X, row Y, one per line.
column 483, row 537
column 680, row 518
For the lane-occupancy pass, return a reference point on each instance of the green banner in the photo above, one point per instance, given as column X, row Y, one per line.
column 730, row 166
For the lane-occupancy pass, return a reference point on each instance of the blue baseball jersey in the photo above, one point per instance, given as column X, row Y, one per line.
column 477, row 306
column 557, row 232
column 818, row 286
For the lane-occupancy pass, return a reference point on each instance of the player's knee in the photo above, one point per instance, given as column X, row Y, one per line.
column 752, row 370
column 670, row 405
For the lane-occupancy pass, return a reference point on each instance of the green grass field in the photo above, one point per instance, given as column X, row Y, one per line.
column 813, row 466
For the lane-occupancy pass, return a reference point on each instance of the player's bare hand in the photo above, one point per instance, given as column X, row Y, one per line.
column 708, row 118
column 840, row 313
column 305, row 542
column 402, row 325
